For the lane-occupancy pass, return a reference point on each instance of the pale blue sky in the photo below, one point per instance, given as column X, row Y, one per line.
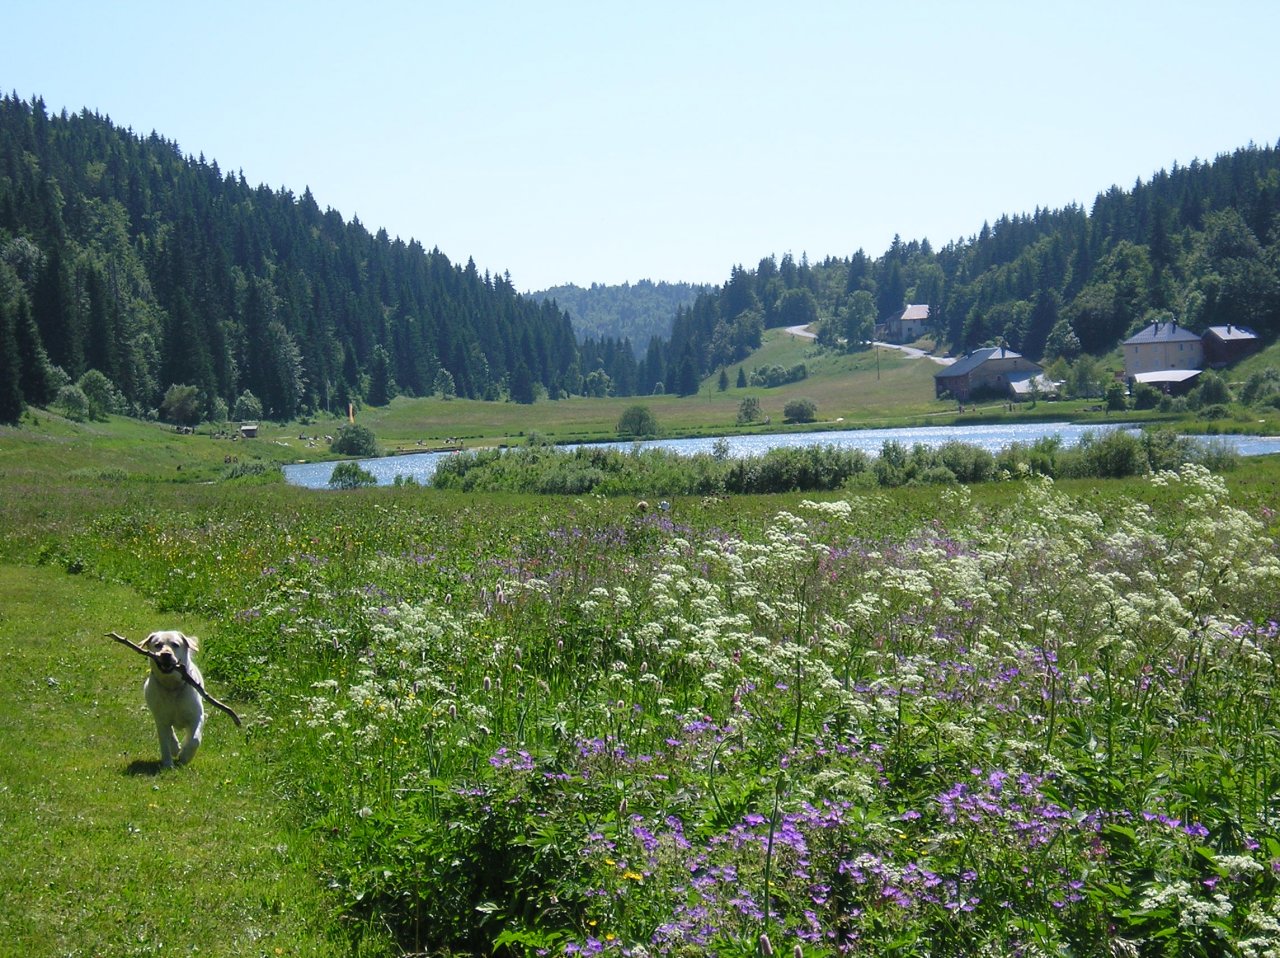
column 598, row 141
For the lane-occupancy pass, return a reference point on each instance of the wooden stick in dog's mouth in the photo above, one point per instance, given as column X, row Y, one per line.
column 176, row 666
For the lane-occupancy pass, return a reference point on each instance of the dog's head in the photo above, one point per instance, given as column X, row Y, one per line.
column 170, row 649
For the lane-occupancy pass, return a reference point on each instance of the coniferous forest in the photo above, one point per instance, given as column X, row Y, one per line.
column 1199, row 244
column 122, row 256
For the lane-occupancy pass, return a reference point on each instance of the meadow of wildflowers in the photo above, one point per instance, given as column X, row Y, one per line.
column 1046, row 728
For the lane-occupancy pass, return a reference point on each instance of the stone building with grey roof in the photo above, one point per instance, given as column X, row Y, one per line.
column 993, row 369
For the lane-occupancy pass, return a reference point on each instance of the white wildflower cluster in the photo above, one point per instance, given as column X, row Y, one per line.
column 1237, row 866
column 1193, row 911
column 837, row 509
column 1264, row 923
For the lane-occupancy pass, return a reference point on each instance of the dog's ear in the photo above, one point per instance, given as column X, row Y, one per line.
column 192, row 643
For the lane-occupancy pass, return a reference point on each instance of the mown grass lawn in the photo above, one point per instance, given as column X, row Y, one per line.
column 106, row 855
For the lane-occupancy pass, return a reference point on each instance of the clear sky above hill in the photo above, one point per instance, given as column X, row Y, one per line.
column 602, row 142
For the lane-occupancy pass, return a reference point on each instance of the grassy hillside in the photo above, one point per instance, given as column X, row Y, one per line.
column 878, row 387
column 846, row 389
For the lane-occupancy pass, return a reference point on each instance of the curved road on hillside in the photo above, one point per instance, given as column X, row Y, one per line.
column 911, row 351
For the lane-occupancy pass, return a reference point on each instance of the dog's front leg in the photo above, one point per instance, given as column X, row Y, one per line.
column 189, row 747
column 168, row 743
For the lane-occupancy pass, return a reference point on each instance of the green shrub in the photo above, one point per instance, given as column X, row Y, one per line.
column 1146, row 396
column 1112, row 454
column 1212, row 391
column 1165, row 449
column 182, row 405
column 255, row 469
column 354, row 440
column 1215, row 454
column 1261, row 386
column 73, row 403
column 801, row 410
column 1116, row 401
column 637, row 421
column 774, row 375
column 965, row 462
column 936, row 475
column 351, row 475
column 102, row 395
column 248, row 408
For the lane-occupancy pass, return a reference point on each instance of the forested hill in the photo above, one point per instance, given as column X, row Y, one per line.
column 632, row 311
column 1199, row 244
column 122, row 255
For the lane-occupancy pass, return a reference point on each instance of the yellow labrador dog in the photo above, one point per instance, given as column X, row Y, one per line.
column 174, row 704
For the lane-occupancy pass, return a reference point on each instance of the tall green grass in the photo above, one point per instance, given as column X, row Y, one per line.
column 890, row 721
column 1011, row 718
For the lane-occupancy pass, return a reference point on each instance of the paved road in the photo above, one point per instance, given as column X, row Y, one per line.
column 918, row 353
column 908, row 350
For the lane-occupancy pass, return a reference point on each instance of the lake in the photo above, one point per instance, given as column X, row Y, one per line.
column 994, row 437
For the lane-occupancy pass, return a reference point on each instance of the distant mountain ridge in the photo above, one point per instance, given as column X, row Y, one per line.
column 636, row 312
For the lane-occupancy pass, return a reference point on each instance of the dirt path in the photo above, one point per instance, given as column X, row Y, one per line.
column 911, row 351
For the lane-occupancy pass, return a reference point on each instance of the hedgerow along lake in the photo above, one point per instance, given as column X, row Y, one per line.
column 993, row 437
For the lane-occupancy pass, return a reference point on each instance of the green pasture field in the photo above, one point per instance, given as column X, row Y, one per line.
column 436, row 687
column 846, row 389
column 870, row 389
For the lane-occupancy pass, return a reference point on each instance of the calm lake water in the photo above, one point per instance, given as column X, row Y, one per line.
column 421, row 466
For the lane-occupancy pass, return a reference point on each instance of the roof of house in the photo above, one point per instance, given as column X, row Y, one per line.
column 1232, row 333
column 1167, row 376
column 1162, row 333
column 962, row 367
column 915, row 312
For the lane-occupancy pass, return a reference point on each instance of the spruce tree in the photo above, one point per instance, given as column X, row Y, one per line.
column 52, row 307
column 687, row 381
column 10, row 387
column 522, row 384
column 33, row 362
column 381, row 387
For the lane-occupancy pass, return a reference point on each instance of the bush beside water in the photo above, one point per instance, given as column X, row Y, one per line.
column 645, row 472
column 354, row 439
column 351, row 475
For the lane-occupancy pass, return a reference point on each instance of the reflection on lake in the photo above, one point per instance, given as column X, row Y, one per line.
column 421, row 466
